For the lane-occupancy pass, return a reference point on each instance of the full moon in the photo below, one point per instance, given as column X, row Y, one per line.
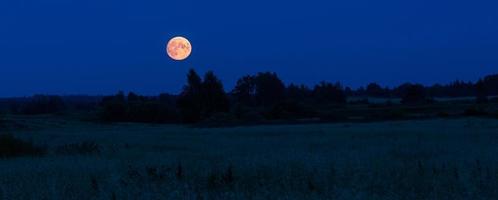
column 178, row 48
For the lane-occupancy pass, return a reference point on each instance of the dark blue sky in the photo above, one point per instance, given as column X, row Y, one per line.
column 102, row 46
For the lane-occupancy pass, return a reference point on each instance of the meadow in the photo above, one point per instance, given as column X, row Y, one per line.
column 419, row 159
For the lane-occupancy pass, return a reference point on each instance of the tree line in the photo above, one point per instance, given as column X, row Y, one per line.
column 258, row 97
column 264, row 96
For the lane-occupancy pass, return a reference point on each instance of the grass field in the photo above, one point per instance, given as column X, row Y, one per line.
column 428, row 159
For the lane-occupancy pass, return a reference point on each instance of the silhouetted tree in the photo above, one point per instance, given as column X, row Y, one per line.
column 454, row 89
column 437, row 90
column 481, row 92
column 329, row 93
column 413, row 94
column 132, row 97
column 214, row 98
column 114, row 108
column 269, row 89
column 264, row 89
column 167, row 106
column 245, row 91
column 491, row 84
column 360, row 92
column 297, row 93
column 190, row 100
column 200, row 99
column 374, row 90
column 348, row 92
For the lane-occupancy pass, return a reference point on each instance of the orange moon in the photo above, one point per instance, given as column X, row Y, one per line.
column 179, row 48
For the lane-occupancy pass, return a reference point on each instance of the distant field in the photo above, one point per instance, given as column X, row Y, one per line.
column 428, row 159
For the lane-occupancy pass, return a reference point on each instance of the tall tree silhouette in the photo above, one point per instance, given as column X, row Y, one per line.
column 413, row 94
column 481, row 92
column 269, row 89
column 326, row 93
column 214, row 98
column 374, row 90
column 114, row 108
column 491, row 84
column 264, row 89
column 190, row 100
column 297, row 93
column 245, row 91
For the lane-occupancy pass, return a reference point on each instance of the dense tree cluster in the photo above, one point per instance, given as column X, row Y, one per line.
column 202, row 99
column 263, row 89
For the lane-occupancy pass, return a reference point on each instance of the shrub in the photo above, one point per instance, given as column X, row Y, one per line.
column 13, row 147
column 83, row 148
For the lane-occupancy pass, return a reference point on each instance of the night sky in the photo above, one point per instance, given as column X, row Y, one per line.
column 101, row 46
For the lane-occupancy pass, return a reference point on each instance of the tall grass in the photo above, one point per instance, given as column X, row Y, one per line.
column 429, row 159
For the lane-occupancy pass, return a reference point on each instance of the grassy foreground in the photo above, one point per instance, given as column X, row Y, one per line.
column 430, row 159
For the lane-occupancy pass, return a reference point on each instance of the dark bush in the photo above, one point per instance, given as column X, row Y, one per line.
column 14, row 147
column 83, row 148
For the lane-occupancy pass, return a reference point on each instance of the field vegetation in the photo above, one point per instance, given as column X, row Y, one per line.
column 418, row 159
